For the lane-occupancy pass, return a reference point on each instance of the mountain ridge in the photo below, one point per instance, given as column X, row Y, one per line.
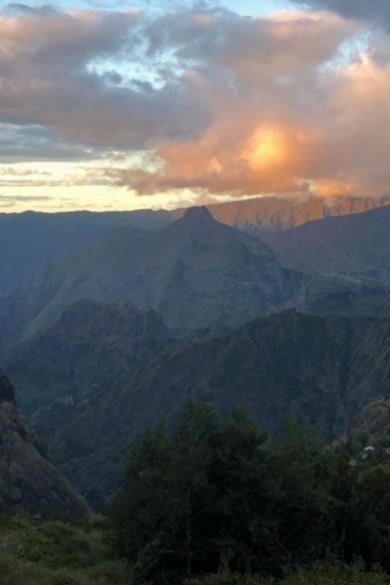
column 322, row 368
column 203, row 277
column 29, row 483
column 29, row 240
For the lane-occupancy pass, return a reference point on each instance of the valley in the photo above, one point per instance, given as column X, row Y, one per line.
column 128, row 329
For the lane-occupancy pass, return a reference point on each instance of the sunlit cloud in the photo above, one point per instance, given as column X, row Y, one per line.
column 193, row 104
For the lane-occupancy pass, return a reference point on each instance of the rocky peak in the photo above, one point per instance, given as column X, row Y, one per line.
column 197, row 214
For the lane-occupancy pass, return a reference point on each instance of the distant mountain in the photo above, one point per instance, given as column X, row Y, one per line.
column 354, row 295
column 323, row 368
column 204, row 278
column 266, row 215
column 357, row 244
column 29, row 240
column 29, row 484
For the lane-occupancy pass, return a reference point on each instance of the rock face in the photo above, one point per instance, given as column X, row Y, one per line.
column 201, row 276
column 29, row 483
column 266, row 215
column 355, row 244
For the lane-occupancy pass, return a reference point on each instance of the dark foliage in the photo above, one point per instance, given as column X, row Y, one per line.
column 212, row 497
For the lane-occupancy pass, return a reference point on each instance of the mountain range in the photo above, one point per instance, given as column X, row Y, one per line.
column 30, row 240
column 124, row 325
column 202, row 277
column 325, row 369
column 357, row 243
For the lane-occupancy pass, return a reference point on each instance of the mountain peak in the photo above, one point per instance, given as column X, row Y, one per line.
column 195, row 214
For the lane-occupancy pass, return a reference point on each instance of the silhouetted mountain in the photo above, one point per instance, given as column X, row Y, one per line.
column 201, row 276
column 29, row 240
column 357, row 243
column 29, row 483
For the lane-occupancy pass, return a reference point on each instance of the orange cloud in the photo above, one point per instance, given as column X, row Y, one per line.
column 267, row 149
column 226, row 105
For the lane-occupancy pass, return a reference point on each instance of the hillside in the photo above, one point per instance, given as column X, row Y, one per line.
column 358, row 243
column 29, row 483
column 204, row 278
column 323, row 368
column 30, row 240
column 80, row 358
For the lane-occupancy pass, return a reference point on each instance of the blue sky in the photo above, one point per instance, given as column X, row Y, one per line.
column 149, row 104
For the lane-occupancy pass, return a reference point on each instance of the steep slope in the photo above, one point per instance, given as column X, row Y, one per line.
column 201, row 276
column 29, row 484
column 357, row 243
column 354, row 295
column 266, row 215
column 29, row 240
column 323, row 368
column 77, row 361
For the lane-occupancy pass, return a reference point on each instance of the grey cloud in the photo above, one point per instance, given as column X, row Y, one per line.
column 52, row 70
column 230, row 104
column 6, row 199
column 20, row 143
column 16, row 8
column 376, row 11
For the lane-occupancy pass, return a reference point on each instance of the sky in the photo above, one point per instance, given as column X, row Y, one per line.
column 147, row 104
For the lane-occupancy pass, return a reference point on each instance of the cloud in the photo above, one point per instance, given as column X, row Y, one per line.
column 35, row 142
column 288, row 113
column 375, row 11
column 226, row 105
column 53, row 74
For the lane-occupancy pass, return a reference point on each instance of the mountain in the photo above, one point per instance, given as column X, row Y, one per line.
column 78, row 362
column 80, row 358
column 265, row 215
column 30, row 240
column 354, row 295
column 357, row 243
column 29, row 484
column 323, row 368
column 204, row 278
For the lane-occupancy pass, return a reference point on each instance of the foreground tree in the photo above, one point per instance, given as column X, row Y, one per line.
column 211, row 496
column 194, row 499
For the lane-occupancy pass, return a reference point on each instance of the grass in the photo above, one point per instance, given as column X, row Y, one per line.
column 35, row 552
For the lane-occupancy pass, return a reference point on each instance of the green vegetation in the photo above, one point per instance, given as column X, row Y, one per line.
column 211, row 503
column 35, row 552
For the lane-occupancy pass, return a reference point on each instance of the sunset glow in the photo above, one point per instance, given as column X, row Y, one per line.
column 267, row 149
column 214, row 103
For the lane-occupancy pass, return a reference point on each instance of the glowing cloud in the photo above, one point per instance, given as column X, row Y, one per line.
column 220, row 104
column 267, row 149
